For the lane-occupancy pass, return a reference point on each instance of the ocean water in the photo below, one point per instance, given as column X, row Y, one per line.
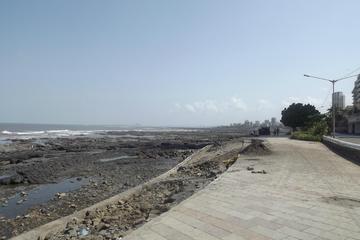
column 10, row 131
column 27, row 131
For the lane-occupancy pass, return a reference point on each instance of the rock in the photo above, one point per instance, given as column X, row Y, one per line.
column 83, row 232
column 12, row 178
column 250, row 168
column 154, row 213
column 60, row 195
column 211, row 174
column 262, row 172
column 103, row 233
column 73, row 206
column 95, row 221
column 92, row 215
column 72, row 223
column 102, row 226
column 71, row 232
column 138, row 221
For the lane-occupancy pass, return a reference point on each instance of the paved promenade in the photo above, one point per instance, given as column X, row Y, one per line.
column 308, row 193
column 355, row 140
column 348, row 138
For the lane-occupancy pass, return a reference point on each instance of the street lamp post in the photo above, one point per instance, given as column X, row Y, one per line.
column 333, row 104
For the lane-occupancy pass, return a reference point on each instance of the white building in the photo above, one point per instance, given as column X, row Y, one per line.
column 356, row 93
column 339, row 100
column 354, row 119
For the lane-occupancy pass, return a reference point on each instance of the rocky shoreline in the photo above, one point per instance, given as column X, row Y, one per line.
column 117, row 218
column 110, row 164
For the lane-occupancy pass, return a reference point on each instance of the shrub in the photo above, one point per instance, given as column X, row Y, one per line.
column 314, row 132
column 319, row 129
column 306, row 136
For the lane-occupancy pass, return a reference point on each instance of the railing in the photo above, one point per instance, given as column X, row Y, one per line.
column 341, row 143
column 350, row 151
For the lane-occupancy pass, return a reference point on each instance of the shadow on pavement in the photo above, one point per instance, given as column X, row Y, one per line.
column 352, row 155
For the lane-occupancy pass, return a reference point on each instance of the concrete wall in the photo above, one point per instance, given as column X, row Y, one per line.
column 350, row 151
column 354, row 128
column 354, row 124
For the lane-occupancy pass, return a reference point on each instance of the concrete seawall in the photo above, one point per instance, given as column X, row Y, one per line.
column 350, row 151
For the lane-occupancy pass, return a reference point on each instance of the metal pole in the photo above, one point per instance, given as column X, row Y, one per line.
column 333, row 103
column 333, row 110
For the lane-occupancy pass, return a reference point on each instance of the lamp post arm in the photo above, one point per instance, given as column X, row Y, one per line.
column 333, row 88
column 325, row 79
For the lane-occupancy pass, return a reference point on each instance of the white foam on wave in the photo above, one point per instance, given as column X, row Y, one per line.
column 58, row 131
column 54, row 133
column 67, row 133
column 48, row 133
column 22, row 133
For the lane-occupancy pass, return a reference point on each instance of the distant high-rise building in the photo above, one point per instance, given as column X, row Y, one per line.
column 356, row 93
column 266, row 123
column 273, row 122
column 247, row 123
column 339, row 100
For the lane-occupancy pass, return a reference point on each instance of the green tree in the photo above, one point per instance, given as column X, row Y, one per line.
column 298, row 115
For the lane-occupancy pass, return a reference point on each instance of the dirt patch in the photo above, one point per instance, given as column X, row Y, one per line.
column 343, row 201
column 257, row 147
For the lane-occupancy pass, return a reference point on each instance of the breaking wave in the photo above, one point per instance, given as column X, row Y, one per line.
column 48, row 133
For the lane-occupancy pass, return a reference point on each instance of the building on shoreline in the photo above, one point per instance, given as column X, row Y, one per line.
column 356, row 94
column 354, row 117
column 339, row 100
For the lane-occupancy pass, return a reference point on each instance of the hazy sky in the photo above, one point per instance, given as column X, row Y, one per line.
column 170, row 62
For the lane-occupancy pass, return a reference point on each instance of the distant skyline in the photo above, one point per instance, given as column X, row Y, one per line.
column 172, row 63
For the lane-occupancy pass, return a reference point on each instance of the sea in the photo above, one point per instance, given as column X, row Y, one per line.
column 11, row 131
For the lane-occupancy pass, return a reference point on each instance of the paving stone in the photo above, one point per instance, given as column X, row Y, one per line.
column 292, row 201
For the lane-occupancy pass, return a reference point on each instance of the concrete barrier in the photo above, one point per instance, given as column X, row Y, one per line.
column 350, row 151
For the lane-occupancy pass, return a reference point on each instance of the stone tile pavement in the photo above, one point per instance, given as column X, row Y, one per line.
column 308, row 193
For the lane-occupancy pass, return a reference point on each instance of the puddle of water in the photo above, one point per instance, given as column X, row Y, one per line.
column 116, row 158
column 2, row 177
column 39, row 195
column 4, row 141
